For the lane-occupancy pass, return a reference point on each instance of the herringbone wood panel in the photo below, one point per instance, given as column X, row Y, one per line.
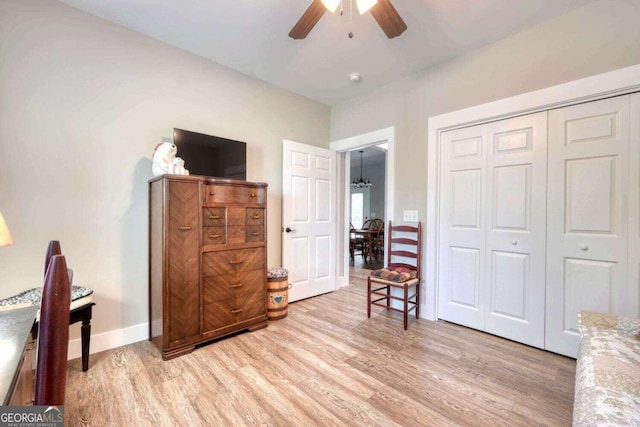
column 326, row 364
column 232, row 262
column 223, row 293
column 184, row 253
column 255, row 216
column 214, row 217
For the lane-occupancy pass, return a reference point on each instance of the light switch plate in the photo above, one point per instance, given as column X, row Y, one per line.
column 410, row 216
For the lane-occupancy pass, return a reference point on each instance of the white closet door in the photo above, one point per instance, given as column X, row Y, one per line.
column 634, row 206
column 587, row 217
column 516, row 227
column 462, row 226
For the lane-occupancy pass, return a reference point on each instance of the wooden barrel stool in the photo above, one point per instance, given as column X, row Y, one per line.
column 277, row 293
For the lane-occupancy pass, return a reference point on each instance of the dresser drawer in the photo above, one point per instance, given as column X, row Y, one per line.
column 222, row 314
column 232, row 262
column 233, row 298
column 214, row 235
column 212, row 217
column 220, row 288
column 255, row 216
column 234, row 194
column 218, row 314
column 255, row 233
column 250, row 305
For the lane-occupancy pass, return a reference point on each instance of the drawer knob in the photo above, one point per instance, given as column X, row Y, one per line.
column 211, row 193
column 214, row 236
column 184, row 228
column 214, row 216
column 584, row 248
column 253, row 194
column 256, row 216
column 255, row 233
column 236, row 262
column 237, row 310
column 237, row 285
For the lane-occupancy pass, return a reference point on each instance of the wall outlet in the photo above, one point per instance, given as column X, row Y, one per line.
column 410, row 216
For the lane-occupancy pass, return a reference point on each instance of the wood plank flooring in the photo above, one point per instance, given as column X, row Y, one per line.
column 327, row 364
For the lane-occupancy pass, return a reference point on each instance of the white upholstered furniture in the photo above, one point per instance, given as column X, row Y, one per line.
column 608, row 371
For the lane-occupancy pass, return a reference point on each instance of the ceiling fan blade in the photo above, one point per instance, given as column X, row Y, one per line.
column 388, row 18
column 308, row 20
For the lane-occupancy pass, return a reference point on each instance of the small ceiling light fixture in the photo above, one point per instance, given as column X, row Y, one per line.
column 365, row 5
column 355, row 77
column 361, row 182
column 5, row 236
column 331, row 5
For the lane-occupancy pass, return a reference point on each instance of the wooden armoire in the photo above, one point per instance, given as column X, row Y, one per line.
column 207, row 260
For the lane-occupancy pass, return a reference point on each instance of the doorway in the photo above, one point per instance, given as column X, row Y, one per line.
column 348, row 150
column 366, row 207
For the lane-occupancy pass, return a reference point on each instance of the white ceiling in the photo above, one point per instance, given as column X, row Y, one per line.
column 250, row 36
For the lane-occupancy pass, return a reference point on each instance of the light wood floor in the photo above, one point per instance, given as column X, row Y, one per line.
column 327, row 364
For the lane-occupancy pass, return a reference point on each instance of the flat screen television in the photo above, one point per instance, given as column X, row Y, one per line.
column 211, row 155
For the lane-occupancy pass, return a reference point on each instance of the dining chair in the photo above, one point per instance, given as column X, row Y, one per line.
column 377, row 243
column 53, row 335
column 81, row 308
column 355, row 243
column 404, row 248
column 374, row 226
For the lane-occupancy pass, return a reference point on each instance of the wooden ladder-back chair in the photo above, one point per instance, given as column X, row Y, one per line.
column 404, row 250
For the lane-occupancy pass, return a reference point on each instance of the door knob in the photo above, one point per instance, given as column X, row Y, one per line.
column 289, row 230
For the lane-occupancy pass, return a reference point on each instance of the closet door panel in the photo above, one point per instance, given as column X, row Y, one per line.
column 586, row 216
column 634, row 209
column 516, row 215
column 462, row 226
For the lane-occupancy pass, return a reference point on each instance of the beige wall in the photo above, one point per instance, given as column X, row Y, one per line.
column 600, row 37
column 83, row 102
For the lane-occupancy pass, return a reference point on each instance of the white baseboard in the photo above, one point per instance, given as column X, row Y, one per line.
column 343, row 281
column 109, row 340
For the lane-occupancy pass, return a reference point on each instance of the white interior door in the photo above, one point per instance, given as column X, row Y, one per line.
column 634, row 204
column 309, row 219
column 514, row 289
column 492, row 227
column 462, row 226
column 587, row 218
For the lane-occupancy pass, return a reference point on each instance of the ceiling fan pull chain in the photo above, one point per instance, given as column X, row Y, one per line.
column 350, row 18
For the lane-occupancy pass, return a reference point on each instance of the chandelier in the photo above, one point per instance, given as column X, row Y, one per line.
column 361, row 182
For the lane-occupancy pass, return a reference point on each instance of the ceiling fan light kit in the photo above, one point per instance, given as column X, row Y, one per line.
column 331, row 5
column 382, row 11
column 365, row 5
